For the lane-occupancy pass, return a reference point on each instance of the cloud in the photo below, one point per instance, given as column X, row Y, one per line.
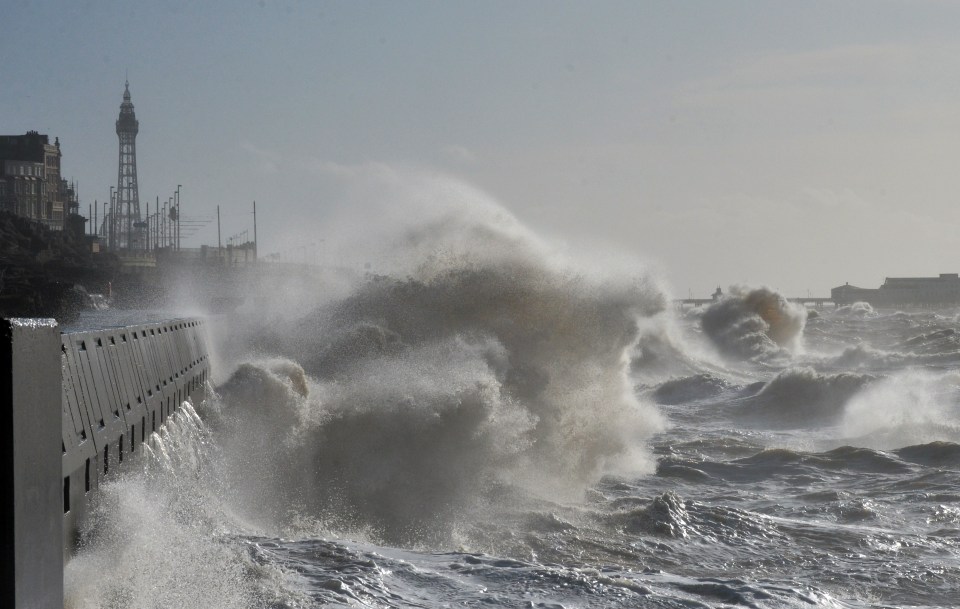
column 267, row 161
column 834, row 198
column 459, row 154
column 820, row 70
column 836, row 63
column 324, row 168
column 815, row 86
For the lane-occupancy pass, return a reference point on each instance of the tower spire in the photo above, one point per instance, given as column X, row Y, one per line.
column 126, row 208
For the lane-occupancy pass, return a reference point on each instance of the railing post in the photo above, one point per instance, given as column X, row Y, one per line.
column 31, row 483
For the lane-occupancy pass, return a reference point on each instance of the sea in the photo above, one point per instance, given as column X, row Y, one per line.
column 491, row 423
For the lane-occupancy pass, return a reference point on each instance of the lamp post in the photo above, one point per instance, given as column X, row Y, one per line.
column 178, row 217
column 163, row 223
column 113, row 213
column 155, row 234
column 128, row 228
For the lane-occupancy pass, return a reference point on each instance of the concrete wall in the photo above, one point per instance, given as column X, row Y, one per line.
column 31, row 560
column 101, row 393
column 119, row 386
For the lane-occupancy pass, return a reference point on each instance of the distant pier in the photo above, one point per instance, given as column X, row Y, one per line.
column 817, row 302
column 814, row 301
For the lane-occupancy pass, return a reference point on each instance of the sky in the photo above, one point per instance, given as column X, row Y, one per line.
column 799, row 145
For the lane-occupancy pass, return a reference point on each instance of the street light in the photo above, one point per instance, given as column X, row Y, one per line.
column 163, row 223
column 113, row 213
column 178, row 217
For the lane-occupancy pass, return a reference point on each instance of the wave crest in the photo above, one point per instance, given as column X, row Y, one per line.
column 754, row 322
column 800, row 397
column 484, row 362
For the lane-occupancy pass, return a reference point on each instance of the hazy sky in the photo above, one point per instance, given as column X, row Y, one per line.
column 794, row 144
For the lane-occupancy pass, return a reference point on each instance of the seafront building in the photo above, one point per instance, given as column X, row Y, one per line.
column 30, row 182
column 904, row 292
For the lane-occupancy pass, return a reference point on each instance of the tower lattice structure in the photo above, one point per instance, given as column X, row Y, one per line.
column 126, row 227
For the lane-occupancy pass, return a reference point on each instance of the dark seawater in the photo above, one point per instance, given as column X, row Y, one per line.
column 516, row 432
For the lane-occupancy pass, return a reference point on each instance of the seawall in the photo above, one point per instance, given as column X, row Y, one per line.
column 119, row 386
column 99, row 394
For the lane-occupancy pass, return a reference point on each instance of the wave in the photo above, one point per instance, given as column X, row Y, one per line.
column 669, row 515
column 754, row 322
column 665, row 515
column 914, row 406
column 690, row 389
column 799, row 397
column 865, row 356
column 356, row 574
column 159, row 534
column 860, row 459
column 774, row 463
column 937, row 341
column 935, row 454
column 857, row 309
column 485, row 362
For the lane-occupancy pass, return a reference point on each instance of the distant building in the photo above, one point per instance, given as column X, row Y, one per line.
column 30, row 182
column 904, row 292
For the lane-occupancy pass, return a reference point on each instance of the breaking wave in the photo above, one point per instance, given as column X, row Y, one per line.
column 754, row 322
column 159, row 534
column 669, row 515
column 914, row 406
column 857, row 309
column 489, row 362
column 800, row 397
column 690, row 389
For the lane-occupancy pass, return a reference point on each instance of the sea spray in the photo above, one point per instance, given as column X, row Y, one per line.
column 474, row 359
column 487, row 380
column 912, row 406
column 857, row 309
column 757, row 322
column 159, row 534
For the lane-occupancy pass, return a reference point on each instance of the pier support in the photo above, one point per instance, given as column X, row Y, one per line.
column 31, row 484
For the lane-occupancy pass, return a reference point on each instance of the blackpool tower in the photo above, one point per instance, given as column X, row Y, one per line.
column 126, row 226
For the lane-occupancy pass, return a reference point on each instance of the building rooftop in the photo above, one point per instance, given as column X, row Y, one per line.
column 27, row 147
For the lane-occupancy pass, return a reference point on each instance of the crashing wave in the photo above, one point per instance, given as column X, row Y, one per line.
column 486, row 361
column 856, row 309
column 754, row 322
column 800, row 397
column 690, row 389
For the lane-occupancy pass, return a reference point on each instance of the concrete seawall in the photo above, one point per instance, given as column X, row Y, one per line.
column 112, row 388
